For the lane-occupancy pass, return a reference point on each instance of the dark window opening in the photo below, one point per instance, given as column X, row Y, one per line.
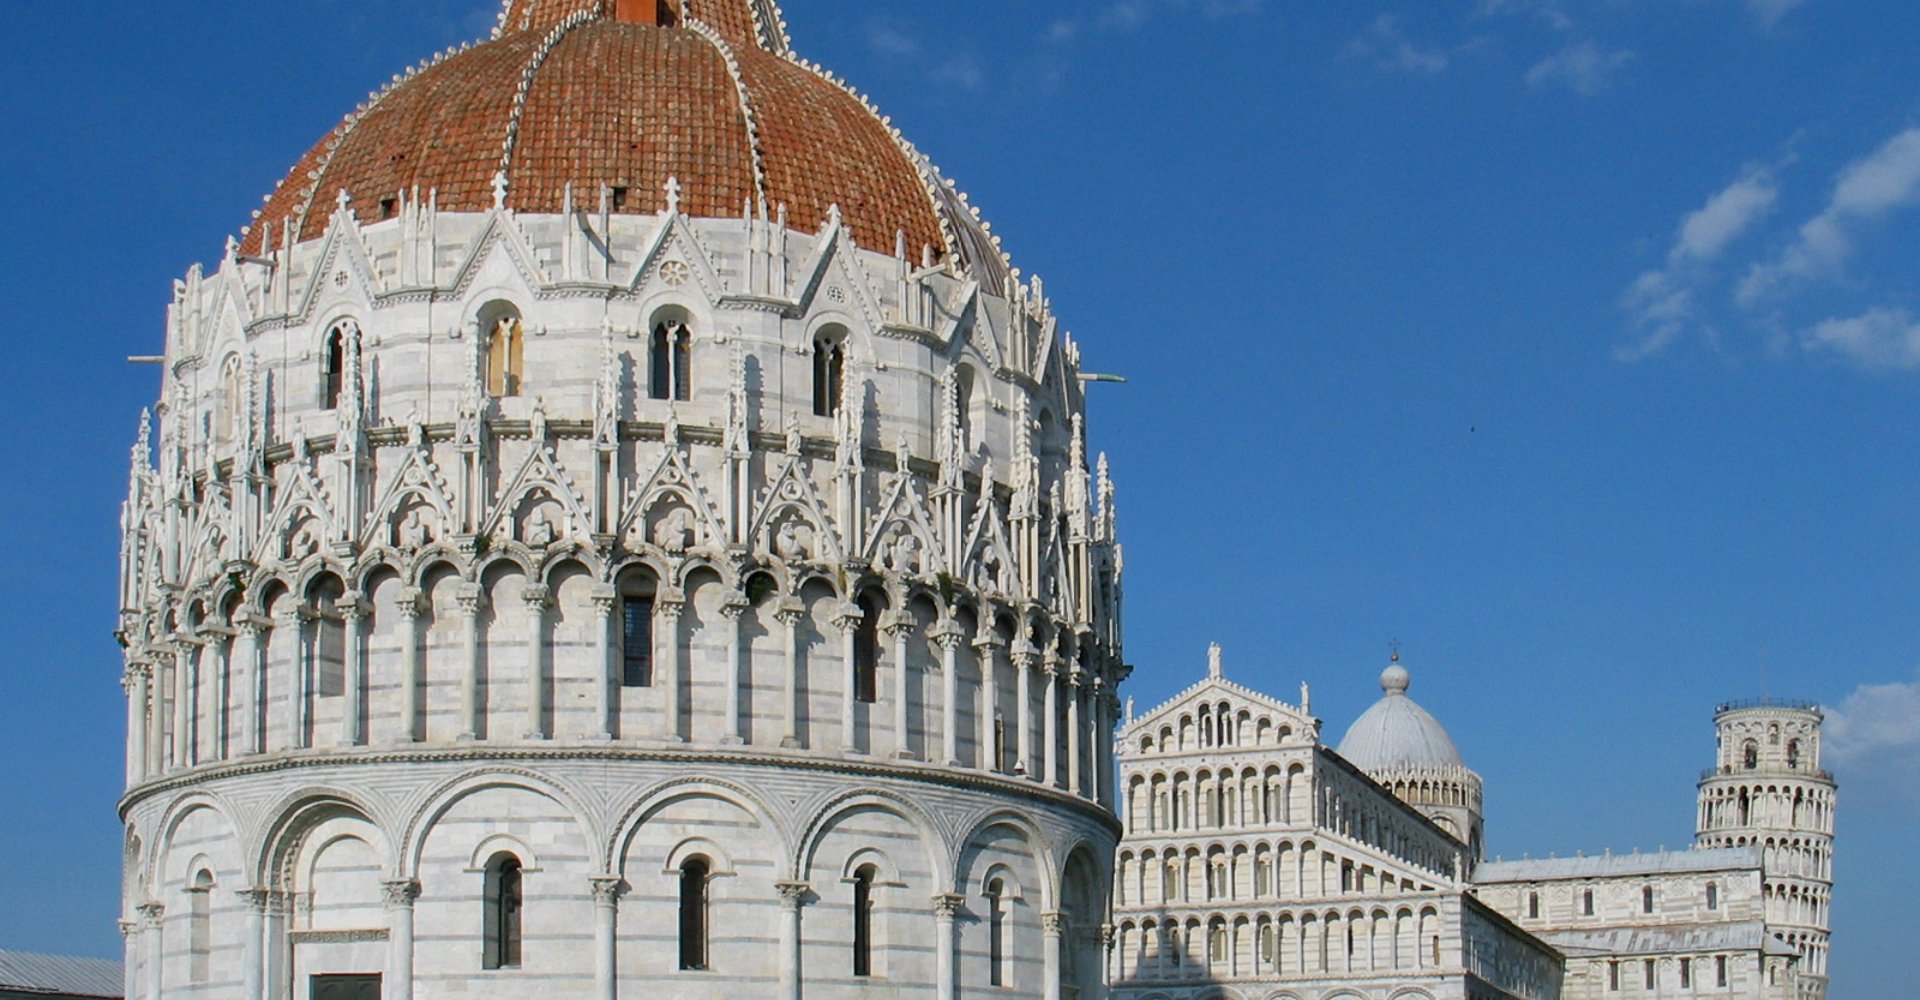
column 996, row 933
column 636, row 641
column 670, row 361
column 693, row 913
column 866, row 652
column 503, row 903
column 863, row 921
column 619, row 199
column 389, row 207
column 333, row 368
column 829, row 371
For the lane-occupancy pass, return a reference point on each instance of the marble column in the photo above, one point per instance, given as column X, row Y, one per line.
column 899, row 625
column 949, row 636
column 472, row 600
column 1024, row 659
column 1052, row 925
column 253, row 933
column 606, row 605
column 252, row 655
column 789, row 616
column 411, row 605
column 353, row 615
column 945, row 906
column 182, row 707
column 1050, row 732
column 1076, row 690
column 130, row 959
column 152, row 917
column 290, row 627
column 219, row 720
column 986, row 650
column 134, row 681
column 846, row 619
column 667, row 611
column 606, row 922
column 734, row 609
column 793, row 895
column 538, row 599
column 400, row 895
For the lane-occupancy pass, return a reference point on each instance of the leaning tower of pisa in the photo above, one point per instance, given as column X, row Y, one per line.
column 1768, row 791
column 616, row 520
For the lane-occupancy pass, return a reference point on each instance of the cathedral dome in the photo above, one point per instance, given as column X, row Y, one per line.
column 1396, row 732
column 626, row 95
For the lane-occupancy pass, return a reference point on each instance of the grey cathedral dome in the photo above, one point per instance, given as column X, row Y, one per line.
column 1396, row 732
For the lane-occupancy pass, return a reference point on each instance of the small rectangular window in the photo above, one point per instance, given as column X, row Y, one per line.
column 1613, row 975
column 1720, row 970
column 1586, row 903
column 1646, row 899
column 1650, row 976
column 1686, row 972
column 636, row 642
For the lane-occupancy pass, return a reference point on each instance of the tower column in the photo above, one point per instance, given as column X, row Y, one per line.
column 846, row 619
column 1023, row 664
column 252, row 654
column 606, row 917
column 400, row 895
column 537, row 599
column 606, row 602
column 135, row 681
column 353, row 611
column 182, row 657
column 667, row 610
column 219, row 718
column 792, row 896
column 1051, row 925
column 734, row 610
column 1076, row 690
column 253, row 963
column 789, row 618
column 949, row 636
column 899, row 626
column 945, row 905
column 1050, row 741
column 412, row 602
column 987, row 651
column 290, row 626
column 472, row 601
column 129, row 959
column 152, row 915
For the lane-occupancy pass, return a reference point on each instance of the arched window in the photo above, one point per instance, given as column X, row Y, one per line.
column 694, row 873
column 506, row 355
column 1646, row 899
column 200, row 925
column 333, row 366
column 1713, row 895
column 1793, row 753
column 1586, row 902
column 670, row 361
column 1750, row 755
column 863, row 921
column 636, row 634
column 231, row 415
column 963, row 405
column 1533, row 906
column 829, row 370
column 997, row 933
column 502, row 945
column 866, row 651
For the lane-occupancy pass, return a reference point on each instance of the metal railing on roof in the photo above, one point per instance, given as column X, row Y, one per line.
column 1801, row 704
column 1767, row 772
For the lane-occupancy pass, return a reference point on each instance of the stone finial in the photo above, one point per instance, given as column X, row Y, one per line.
column 1214, row 668
column 673, row 196
column 499, row 190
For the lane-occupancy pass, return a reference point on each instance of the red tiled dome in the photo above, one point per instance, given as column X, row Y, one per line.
column 708, row 97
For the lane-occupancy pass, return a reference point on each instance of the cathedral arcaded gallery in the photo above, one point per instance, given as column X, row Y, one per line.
column 615, row 523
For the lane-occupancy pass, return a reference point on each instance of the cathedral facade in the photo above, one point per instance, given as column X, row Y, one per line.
column 616, row 521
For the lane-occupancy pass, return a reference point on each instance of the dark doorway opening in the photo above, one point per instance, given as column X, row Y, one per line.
column 346, row 988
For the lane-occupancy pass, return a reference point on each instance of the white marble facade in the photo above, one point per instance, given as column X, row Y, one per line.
column 381, row 564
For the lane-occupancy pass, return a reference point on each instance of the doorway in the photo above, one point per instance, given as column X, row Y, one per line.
column 346, row 988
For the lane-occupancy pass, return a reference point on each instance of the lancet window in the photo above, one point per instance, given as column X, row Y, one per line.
column 694, row 875
column 333, row 366
column 506, row 355
column 863, row 921
column 670, row 361
column 829, row 370
column 501, row 948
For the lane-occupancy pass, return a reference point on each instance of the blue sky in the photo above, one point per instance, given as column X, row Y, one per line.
column 1576, row 345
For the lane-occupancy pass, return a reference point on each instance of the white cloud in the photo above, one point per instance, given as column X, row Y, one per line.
column 1388, row 47
column 1771, row 11
column 1868, row 189
column 1663, row 304
column 1881, row 339
column 890, row 41
column 1548, row 12
column 1585, row 67
column 1876, row 723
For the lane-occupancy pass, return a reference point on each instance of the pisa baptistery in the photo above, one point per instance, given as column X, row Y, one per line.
column 615, row 524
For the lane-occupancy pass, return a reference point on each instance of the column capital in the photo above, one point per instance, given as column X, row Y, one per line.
column 472, row 599
column 1053, row 923
column 733, row 605
column 897, row 623
column 987, row 642
column 792, row 894
column 352, row 605
column 947, row 633
column 256, row 899
column 607, row 889
column 151, row 912
column 789, row 612
column 400, row 893
column 604, row 598
column 411, row 602
column 946, row 904
column 129, row 928
column 538, row 597
column 252, row 625
column 136, row 672
column 848, row 617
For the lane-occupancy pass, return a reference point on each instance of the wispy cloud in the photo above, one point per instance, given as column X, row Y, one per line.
column 1585, row 67
column 1868, row 189
column 1881, row 339
column 1664, row 303
column 1877, row 724
column 890, row 41
column 1552, row 13
column 1386, row 45
column 1771, row 11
